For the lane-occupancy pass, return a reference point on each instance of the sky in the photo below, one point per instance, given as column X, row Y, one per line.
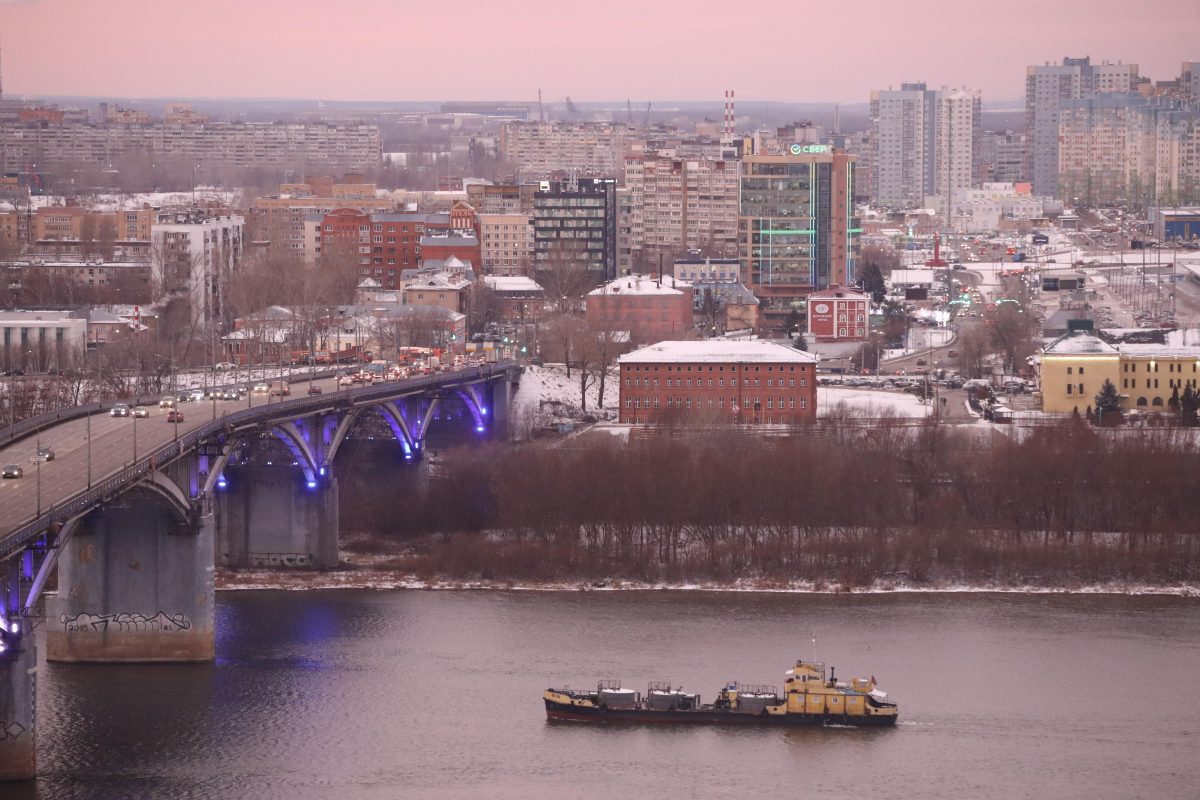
column 598, row 50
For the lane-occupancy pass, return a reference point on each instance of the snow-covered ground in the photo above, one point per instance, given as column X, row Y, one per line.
column 896, row 404
column 548, row 397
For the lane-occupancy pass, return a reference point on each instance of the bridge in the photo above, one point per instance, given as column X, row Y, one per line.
column 133, row 514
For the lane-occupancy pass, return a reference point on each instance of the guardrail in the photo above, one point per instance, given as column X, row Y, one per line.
column 61, row 512
column 32, row 425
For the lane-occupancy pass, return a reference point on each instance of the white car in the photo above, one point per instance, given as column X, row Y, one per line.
column 119, row 410
column 222, row 366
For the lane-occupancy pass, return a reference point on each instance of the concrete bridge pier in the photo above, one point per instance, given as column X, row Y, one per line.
column 501, row 405
column 273, row 516
column 18, row 699
column 135, row 584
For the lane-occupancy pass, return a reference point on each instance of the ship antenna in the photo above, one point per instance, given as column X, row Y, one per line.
column 814, row 646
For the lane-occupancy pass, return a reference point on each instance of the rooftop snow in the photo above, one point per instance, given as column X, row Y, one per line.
column 511, row 283
column 1076, row 344
column 714, row 351
column 642, row 285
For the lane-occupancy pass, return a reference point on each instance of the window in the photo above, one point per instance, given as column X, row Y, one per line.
column 1069, row 370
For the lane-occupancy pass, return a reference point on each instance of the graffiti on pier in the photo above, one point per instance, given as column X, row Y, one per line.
column 11, row 730
column 98, row 623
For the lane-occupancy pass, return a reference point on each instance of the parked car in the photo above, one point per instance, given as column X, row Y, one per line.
column 11, row 471
column 174, row 415
column 15, row 372
column 119, row 410
column 141, row 412
column 43, row 453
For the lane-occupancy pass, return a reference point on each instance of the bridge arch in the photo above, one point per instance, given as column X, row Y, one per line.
column 470, row 398
column 290, row 435
column 159, row 485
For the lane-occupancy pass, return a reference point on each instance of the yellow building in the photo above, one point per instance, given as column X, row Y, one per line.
column 1151, row 373
column 1073, row 368
column 1075, row 365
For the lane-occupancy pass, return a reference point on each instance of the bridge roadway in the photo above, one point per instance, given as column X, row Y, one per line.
column 119, row 443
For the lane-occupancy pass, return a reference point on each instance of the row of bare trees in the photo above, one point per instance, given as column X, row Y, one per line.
column 848, row 501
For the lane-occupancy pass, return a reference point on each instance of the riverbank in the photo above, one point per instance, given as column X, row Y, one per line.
column 374, row 571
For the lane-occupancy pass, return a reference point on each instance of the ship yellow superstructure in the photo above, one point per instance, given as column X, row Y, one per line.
column 809, row 692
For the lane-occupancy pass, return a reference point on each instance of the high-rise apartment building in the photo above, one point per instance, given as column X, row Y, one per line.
column 926, row 143
column 541, row 150
column 1046, row 88
column 797, row 227
column 956, row 140
column 902, row 127
column 680, row 205
column 575, row 224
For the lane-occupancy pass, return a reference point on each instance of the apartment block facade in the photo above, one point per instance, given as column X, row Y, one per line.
column 195, row 254
column 1047, row 87
column 541, row 150
column 506, row 244
column 682, row 204
column 240, row 144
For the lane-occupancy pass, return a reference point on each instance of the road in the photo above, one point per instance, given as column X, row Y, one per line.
column 115, row 443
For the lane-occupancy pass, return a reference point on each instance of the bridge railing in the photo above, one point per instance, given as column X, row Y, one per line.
column 117, row 483
column 27, row 427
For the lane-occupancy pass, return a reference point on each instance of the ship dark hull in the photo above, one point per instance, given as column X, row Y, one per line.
column 565, row 712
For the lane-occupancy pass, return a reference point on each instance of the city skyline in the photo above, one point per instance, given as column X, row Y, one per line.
column 685, row 52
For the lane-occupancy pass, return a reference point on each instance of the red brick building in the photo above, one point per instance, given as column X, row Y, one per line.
column 383, row 244
column 718, row 380
column 839, row 315
column 651, row 310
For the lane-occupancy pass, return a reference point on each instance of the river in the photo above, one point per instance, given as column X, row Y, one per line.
column 437, row 694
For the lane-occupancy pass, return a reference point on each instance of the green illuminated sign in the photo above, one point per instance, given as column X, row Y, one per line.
column 801, row 149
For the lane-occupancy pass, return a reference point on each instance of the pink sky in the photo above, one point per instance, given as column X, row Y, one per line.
column 604, row 50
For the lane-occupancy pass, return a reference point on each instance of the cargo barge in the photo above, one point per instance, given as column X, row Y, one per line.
column 809, row 698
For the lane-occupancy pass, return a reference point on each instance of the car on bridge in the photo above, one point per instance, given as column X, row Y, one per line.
column 167, row 402
column 280, row 389
column 43, row 453
column 174, row 415
column 261, row 388
column 314, row 390
column 11, row 471
column 119, row 410
column 141, row 412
